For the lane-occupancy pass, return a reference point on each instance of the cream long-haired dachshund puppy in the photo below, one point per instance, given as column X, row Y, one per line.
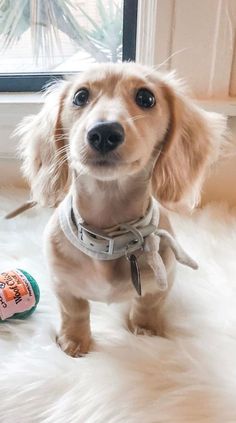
column 105, row 145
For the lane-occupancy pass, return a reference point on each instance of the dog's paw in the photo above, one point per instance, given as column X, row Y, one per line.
column 143, row 331
column 72, row 347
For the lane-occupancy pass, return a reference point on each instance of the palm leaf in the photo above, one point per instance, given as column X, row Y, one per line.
column 46, row 19
column 108, row 35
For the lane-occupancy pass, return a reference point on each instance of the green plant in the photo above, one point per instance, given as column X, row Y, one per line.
column 107, row 35
column 46, row 19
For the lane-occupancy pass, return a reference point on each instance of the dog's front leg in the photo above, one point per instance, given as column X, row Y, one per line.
column 75, row 334
column 145, row 318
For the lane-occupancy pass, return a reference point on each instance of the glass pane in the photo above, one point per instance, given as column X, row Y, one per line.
column 59, row 35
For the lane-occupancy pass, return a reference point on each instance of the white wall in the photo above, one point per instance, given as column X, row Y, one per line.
column 13, row 108
column 221, row 183
column 197, row 38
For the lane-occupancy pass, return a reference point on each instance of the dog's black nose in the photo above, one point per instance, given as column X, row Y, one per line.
column 105, row 136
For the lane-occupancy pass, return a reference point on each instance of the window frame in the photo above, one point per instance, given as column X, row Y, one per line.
column 34, row 82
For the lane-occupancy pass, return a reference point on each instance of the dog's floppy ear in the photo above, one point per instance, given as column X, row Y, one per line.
column 43, row 149
column 191, row 144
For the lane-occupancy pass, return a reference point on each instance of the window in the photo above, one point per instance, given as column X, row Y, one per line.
column 41, row 39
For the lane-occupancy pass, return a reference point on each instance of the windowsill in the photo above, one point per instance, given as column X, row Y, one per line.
column 21, row 98
column 226, row 106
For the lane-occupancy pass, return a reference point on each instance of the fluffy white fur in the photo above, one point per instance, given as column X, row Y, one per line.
column 190, row 377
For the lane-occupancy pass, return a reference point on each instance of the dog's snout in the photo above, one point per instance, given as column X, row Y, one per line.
column 105, row 136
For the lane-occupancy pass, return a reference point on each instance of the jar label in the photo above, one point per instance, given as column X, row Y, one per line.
column 16, row 294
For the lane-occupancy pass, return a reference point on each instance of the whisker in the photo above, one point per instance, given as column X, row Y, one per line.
column 61, row 152
column 134, row 118
column 157, row 67
column 54, row 166
column 82, row 171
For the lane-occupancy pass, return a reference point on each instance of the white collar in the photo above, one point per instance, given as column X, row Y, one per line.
column 106, row 244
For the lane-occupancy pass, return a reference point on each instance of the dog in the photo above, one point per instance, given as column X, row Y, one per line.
column 111, row 149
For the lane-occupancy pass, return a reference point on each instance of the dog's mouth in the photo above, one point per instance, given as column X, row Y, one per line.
column 103, row 161
column 106, row 166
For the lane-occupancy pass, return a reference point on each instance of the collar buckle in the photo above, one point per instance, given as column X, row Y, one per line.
column 89, row 233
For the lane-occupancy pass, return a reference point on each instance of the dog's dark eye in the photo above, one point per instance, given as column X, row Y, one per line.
column 81, row 97
column 145, row 99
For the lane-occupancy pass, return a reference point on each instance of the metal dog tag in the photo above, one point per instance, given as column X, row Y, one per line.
column 135, row 273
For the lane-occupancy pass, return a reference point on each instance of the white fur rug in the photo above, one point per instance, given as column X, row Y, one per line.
column 189, row 377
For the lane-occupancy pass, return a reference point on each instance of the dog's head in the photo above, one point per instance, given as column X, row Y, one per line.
column 116, row 120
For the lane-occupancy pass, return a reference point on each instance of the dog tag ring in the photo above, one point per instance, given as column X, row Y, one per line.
column 135, row 273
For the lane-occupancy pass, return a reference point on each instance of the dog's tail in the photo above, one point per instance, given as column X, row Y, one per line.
column 28, row 205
